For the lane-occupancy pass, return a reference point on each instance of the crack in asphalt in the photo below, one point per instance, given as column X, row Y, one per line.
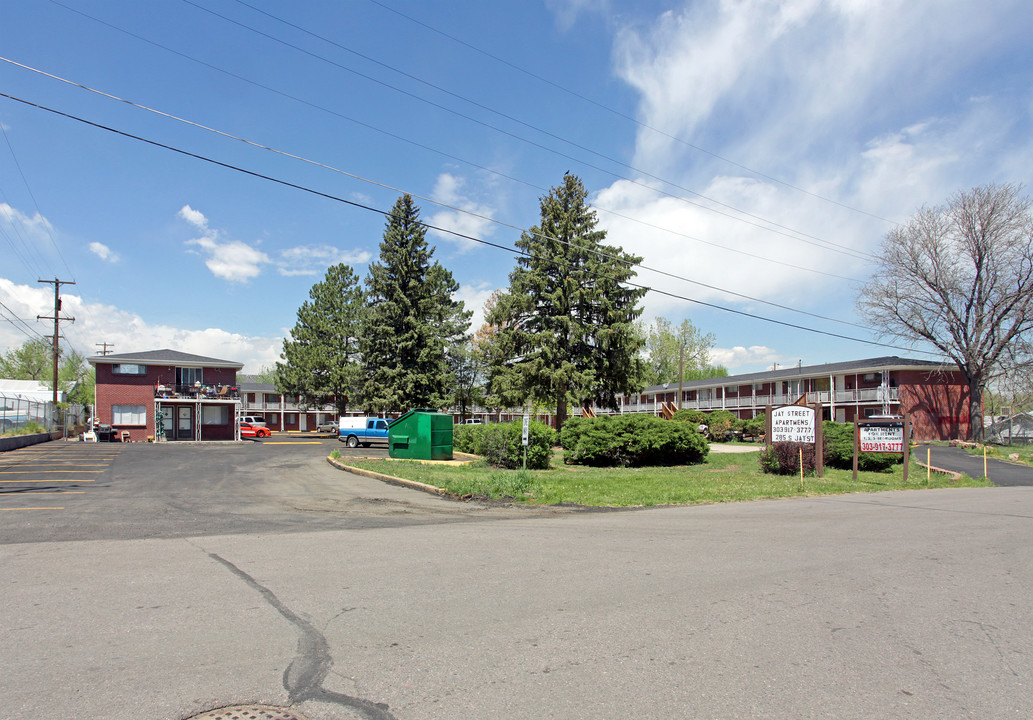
column 303, row 678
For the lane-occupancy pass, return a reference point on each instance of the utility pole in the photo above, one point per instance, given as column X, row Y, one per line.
column 104, row 346
column 57, row 322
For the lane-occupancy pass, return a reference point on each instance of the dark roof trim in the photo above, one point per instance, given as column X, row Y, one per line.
column 163, row 357
column 809, row 371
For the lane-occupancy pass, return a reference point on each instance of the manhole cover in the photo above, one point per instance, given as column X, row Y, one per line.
column 249, row 712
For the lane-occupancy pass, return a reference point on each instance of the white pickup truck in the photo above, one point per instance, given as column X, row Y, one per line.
column 355, row 431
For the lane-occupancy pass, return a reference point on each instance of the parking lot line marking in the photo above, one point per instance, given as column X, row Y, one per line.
column 50, row 480
column 46, row 492
column 30, row 508
column 300, row 442
column 24, row 472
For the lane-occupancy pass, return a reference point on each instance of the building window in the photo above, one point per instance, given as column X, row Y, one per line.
column 128, row 369
column 292, row 418
column 128, row 414
column 272, row 399
column 188, row 376
column 215, row 415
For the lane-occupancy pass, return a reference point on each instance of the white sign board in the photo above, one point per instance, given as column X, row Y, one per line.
column 792, row 423
column 527, row 427
column 881, row 438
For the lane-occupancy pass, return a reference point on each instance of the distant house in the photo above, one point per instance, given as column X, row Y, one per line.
column 196, row 396
column 281, row 412
column 1017, row 429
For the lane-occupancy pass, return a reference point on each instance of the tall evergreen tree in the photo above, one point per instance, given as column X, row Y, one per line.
column 411, row 319
column 321, row 357
column 566, row 325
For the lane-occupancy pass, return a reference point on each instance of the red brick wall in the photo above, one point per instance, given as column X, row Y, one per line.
column 938, row 403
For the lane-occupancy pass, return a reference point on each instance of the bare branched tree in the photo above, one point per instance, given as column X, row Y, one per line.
column 960, row 277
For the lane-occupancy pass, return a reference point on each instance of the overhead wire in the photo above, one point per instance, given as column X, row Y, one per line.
column 618, row 113
column 416, row 195
column 770, row 225
column 455, row 233
column 676, row 233
column 35, row 203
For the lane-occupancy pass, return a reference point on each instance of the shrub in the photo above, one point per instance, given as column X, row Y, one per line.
column 635, row 440
column 721, row 424
column 839, row 450
column 572, row 429
column 691, row 416
column 500, row 443
column 754, row 426
column 783, row 458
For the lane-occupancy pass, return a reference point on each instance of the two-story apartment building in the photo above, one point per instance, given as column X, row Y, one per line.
column 934, row 395
column 196, row 396
column 281, row 412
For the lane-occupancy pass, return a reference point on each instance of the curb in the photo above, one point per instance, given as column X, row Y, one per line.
column 955, row 476
column 389, row 479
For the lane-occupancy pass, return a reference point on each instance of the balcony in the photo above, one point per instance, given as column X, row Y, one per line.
column 196, row 392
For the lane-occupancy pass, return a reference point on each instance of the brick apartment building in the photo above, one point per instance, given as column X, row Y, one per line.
column 196, row 395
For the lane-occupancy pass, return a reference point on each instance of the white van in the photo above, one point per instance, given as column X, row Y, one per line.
column 355, row 431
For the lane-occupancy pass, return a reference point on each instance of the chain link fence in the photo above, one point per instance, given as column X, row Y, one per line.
column 21, row 415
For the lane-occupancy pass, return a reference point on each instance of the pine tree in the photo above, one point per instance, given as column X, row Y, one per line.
column 321, row 358
column 411, row 319
column 566, row 325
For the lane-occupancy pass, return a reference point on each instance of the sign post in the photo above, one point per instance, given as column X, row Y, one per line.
column 524, row 437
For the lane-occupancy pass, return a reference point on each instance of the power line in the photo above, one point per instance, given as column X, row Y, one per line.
column 39, row 214
column 386, row 213
column 409, row 141
column 618, row 113
column 395, row 189
column 789, row 232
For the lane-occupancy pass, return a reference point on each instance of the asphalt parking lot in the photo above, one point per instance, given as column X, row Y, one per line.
column 60, row 491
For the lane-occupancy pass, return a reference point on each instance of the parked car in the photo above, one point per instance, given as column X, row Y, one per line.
column 473, row 421
column 329, row 426
column 256, row 420
column 247, row 430
column 355, row 431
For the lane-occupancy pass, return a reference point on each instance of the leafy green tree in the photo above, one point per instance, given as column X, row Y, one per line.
column 34, row 360
column 411, row 319
column 565, row 328
column 672, row 352
column 266, row 374
column 465, row 367
column 321, row 357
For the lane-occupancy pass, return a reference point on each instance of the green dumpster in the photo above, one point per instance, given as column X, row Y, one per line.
column 421, row 435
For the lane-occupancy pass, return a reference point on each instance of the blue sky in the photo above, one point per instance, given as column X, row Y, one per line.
column 759, row 151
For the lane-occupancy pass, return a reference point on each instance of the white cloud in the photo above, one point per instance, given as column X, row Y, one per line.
column 315, row 259
column 474, row 296
column 740, row 359
column 126, row 331
column 194, row 217
column 238, row 261
column 234, row 261
column 103, row 252
column 470, row 218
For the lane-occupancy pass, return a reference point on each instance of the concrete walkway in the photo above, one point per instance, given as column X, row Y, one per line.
column 1001, row 473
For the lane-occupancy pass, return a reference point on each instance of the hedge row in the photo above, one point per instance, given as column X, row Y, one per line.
column 501, row 443
column 631, row 440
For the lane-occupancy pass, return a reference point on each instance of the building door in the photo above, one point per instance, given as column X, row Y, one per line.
column 184, row 423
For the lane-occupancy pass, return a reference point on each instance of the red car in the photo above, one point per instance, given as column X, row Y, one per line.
column 247, row 430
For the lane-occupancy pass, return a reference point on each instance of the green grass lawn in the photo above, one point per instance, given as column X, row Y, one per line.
column 722, row 478
column 1001, row 452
